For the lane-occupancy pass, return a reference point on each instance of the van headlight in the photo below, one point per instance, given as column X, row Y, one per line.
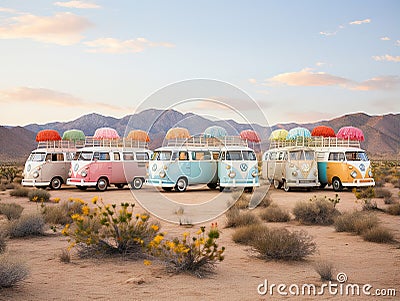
column 294, row 173
column 35, row 174
column 228, row 166
column 232, row 174
column 370, row 173
column 353, row 174
column 83, row 173
column 162, row 174
column 254, row 173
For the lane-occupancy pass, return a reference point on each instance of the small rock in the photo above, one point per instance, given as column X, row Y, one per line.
column 136, row 280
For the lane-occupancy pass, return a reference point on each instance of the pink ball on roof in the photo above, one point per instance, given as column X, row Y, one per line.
column 350, row 133
column 105, row 133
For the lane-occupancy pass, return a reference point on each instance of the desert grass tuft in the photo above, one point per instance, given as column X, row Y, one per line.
column 39, row 195
column 237, row 218
column 20, row 192
column 393, row 209
column 316, row 211
column 11, row 271
column 26, row 225
column 355, row 222
column 262, row 198
column 11, row 210
column 65, row 256
column 245, row 235
column 324, row 269
column 3, row 243
column 274, row 213
column 378, row 235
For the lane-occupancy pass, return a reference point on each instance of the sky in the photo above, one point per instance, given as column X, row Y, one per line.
column 296, row 61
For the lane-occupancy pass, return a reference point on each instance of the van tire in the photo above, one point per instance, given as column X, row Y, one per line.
column 137, row 183
column 56, row 183
column 337, row 184
column 212, row 185
column 277, row 184
column 102, row 184
column 286, row 187
column 181, row 184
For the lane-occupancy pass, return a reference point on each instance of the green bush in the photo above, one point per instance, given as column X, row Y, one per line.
column 319, row 211
column 108, row 230
column 39, row 195
column 355, row 222
column 11, row 211
column 281, row 244
column 245, row 235
column 378, row 235
column 26, row 225
column 20, row 192
column 237, row 218
column 393, row 209
column 11, row 271
column 273, row 213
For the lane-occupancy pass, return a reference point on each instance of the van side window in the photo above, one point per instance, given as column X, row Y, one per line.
column 249, row 155
column 60, row 157
column 281, row 155
column 116, row 157
column 183, row 156
column 142, row 156
column 336, row 157
column 104, row 156
column 128, row 156
column 215, row 155
column 273, row 156
column 201, row 155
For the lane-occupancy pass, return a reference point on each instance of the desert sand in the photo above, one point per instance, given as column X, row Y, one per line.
column 236, row 278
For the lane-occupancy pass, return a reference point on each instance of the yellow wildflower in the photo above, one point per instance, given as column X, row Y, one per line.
column 56, row 200
column 154, row 227
column 85, row 210
column 147, row 262
column 158, row 239
column 95, row 199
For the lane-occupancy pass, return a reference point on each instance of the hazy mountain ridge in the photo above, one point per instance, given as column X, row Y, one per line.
column 382, row 132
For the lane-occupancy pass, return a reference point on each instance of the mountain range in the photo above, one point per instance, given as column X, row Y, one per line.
column 382, row 132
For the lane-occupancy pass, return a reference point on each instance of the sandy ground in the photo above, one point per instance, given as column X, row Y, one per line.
column 236, row 278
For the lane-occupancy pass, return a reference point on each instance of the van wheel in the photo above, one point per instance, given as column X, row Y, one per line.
column 337, row 184
column 277, row 184
column 181, row 184
column 55, row 183
column 212, row 185
column 286, row 187
column 102, row 184
column 137, row 183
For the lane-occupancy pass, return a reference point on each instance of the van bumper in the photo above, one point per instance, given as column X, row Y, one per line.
column 240, row 183
column 302, row 183
column 34, row 183
column 159, row 183
column 360, row 183
column 80, row 182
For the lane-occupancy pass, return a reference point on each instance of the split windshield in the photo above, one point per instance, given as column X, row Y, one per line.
column 301, row 155
column 37, row 157
column 83, row 156
column 356, row 156
column 162, row 156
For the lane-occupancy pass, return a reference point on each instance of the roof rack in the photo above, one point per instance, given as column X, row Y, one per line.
column 119, row 142
column 200, row 141
column 316, row 142
column 60, row 144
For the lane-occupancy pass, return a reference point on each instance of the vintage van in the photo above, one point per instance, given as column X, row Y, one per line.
column 183, row 162
column 291, row 167
column 237, row 167
column 102, row 163
column 344, row 166
column 48, row 165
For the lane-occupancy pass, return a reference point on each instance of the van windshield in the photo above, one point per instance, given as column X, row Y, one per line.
column 162, row 155
column 37, row 157
column 356, row 156
column 83, row 156
column 249, row 155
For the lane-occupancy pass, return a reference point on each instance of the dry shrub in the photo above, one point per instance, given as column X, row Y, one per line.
column 393, row 209
column 355, row 222
column 241, row 199
column 237, row 218
column 26, row 225
column 39, row 195
column 11, row 271
column 364, row 193
column 324, row 270
column 11, row 211
column 21, row 192
column 3, row 243
column 262, row 198
column 274, row 213
column 245, row 235
column 389, row 201
column 61, row 214
column 378, row 235
column 383, row 193
column 316, row 211
column 281, row 244
column 65, row 256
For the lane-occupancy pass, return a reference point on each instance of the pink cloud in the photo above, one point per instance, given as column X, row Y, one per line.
column 111, row 45
column 77, row 4
column 386, row 57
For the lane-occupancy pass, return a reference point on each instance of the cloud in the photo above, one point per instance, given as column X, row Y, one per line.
column 47, row 97
column 308, row 78
column 327, row 34
column 77, row 4
column 61, row 28
column 386, row 57
column 252, row 81
column 359, row 22
column 397, row 43
column 111, row 45
column 8, row 10
column 385, row 39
